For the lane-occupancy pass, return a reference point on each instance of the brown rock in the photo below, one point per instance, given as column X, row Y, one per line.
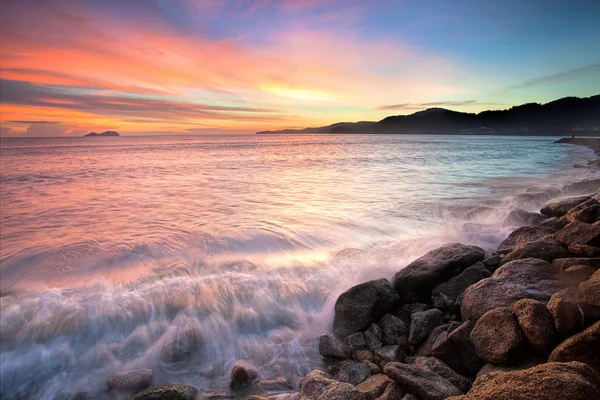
column 275, row 385
column 435, row 365
column 374, row 386
column 523, row 235
column 242, row 374
column 583, row 347
column 130, row 380
column 456, row 349
column 579, row 233
column 560, row 207
column 541, row 250
column 588, row 212
column 393, row 392
column 317, row 385
column 568, row 317
column 525, row 361
column 386, row 354
column 363, row 355
column 564, row 263
column 425, row 384
column 584, row 250
column 537, row 324
column 588, row 297
column 497, row 337
column 580, row 273
column 550, row 381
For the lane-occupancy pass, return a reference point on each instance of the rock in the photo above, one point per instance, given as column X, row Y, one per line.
column 360, row 306
column 560, row 207
column 374, row 336
column 349, row 371
column 421, row 325
column 387, row 354
column 394, row 330
column 405, row 311
column 531, row 199
column 456, row 349
column 564, row 263
column 393, row 392
column 332, row 347
column 588, row 214
column 523, row 235
column 584, row 250
column 540, row 250
column 446, row 295
column 356, row 341
column 550, row 381
column 519, row 217
column 279, row 384
column 588, row 297
column 568, row 317
column 554, row 223
column 537, row 324
column 425, row 347
column 524, row 362
column 580, row 273
column 167, row 392
column 186, row 340
column 242, row 374
column 493, row 261
column 497, row 337
column 416, row 281
column 409, row 396
column 373, row 367
column 374, row 386
column 527, row 278
column 583, row 347
column 425, row 384
column 364, row 355
column 585, row 186
column 579, row 233
column 437, row 366
column 317, row 385
column 130, row 380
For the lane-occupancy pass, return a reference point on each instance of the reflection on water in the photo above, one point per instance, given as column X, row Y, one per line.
column 186, row 254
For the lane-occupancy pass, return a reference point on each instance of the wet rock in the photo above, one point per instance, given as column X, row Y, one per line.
column 519, row 217
column 568, row 317
column 540, row 250
column 242, row 374
column 523, row 235
column 405, row 311
column 360, row 306
column 317, row 385
column 586, row 186
column 275, row 385
column 425, row 384
column 550, row 381
column 421, row 325
column 374, row 336
column 579, row 233
column 497, row 337
column 554, row 223
column 393, row 391
column 446, row 295
column 560, row 207
column 524, row 362
column 186, row 341
column 583, row 347
column 527, row 278
column 564, row 263
column 130, row 380
column 394, row 330
column 374, row 386
column 332, row 347
column 532, row 199
column 456, row 349
column 580, row 273
column 584, row 250
column 356, row 341
column 416, row 281
column 493, row 261
column 588, row 297
column 349, row 371
column 387, row 354
column 443, row 370
column 537, row 324
column 587, row 212
column 167, row 392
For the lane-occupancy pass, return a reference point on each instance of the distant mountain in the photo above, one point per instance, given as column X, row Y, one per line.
column 106, row 133
column 581, row 115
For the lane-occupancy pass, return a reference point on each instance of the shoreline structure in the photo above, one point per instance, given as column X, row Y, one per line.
column 519, row 323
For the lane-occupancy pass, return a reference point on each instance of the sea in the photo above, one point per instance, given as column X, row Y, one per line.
column 110, row 246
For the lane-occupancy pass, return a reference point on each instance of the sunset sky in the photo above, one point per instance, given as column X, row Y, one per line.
column 214, row 66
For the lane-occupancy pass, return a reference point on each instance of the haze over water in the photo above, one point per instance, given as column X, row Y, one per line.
column 110, row 245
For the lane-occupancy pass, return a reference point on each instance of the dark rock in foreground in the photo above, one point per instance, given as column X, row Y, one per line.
column 497, row 337
column 167, row 392
column 583, row 347
column 423, row 383
column 523, row 235
column 446, row 295
column 560, row 207
column 541, row 250
column 550, row 381
column 319, row 386
column 537, row 324
column 332, row 347
column 416, row 281
column 242, row 374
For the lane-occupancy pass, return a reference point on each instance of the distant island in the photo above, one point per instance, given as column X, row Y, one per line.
column 572, row 115
column 106, row 133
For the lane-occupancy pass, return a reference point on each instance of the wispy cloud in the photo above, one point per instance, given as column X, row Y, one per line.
column 420, row 106
column 566, row 76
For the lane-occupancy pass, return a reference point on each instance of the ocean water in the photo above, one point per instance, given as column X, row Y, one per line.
column 111, row 247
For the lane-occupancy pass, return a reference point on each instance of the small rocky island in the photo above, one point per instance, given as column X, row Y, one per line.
column 105, row 133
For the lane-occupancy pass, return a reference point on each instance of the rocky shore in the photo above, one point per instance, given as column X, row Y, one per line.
column 460, row 323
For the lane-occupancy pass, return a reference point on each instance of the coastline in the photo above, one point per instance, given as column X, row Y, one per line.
column 526, row 313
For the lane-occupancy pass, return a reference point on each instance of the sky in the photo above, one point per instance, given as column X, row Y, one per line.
column 68, row 67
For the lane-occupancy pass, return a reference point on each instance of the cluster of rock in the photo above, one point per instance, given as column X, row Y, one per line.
column 520, row 323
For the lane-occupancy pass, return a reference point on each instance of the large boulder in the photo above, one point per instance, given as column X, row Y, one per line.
column 416, row 281
column 588, row 212
column 425, row 347
column 167, row 392
column 542, row 250
column 374, row 386
column 497, row 337
column 374, row 337
column 349, row 371
column 405, row 311
column 130, row 380
column 332, row 347
column 519, row 279
column 537, row 324
column 560, row 207
column 362, row 305
column 588, row 297
column 583, row 347
column 564, row 263
column 394, row 330
column 317, row 385
column 421, row 325
column 579, row 233
column 386, row 354
column 519, row 217
column 550, row 381
column 242, row 374
column 394, row 392
column 457, row 350
column 446, row 295
column 524, row 234
column 568, row 316
column 584, row 250
column 423, row 383
column 435, row 365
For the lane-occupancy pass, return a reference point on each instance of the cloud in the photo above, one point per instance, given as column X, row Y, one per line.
column 566, row 76
column 420, row 106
